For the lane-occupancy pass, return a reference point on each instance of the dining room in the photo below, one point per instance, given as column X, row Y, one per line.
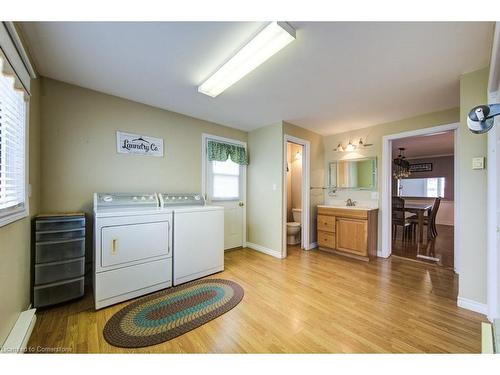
column 423, row 196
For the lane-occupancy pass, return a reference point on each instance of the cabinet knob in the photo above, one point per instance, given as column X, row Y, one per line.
column 114, row 246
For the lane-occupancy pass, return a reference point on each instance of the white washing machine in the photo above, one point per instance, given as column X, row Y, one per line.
column 198, row 236
column 132, row 246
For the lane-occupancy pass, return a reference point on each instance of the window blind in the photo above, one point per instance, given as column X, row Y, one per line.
column 12, row 146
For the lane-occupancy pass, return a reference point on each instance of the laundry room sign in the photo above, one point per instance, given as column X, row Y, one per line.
column 128, row 143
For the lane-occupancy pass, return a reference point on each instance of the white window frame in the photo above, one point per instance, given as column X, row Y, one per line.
column 15, row 55
column 22, row 212
column 210, row 177
column 205, row 173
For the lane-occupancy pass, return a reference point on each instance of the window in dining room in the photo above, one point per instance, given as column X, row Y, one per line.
column 422, row 187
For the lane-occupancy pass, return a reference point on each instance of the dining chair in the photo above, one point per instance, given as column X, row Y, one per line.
column 429, row 221
column 399, row 218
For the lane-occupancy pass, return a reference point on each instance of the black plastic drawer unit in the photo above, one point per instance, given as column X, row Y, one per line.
column 59, row 258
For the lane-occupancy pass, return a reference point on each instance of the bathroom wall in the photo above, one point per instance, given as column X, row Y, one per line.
column 317, row 170
column 289, row 182
column 295, row 173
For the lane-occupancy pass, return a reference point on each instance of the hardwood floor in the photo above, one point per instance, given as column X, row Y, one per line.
column 309, row 302
column 441, row 247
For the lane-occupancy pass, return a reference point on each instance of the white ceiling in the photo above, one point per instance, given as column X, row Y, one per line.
column 335, row 77
column 428, row 145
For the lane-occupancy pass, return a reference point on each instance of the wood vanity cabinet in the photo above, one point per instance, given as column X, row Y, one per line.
column 346, row 231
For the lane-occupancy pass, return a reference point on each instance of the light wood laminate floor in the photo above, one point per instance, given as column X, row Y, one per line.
column 310, row 302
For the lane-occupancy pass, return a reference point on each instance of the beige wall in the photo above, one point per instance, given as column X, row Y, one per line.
column 317, row 166
column 294, row 188
column 265, row 187
column 472, row 192
column 79, row 147
column 15, row 237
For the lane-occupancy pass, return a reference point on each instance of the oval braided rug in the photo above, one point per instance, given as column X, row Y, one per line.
column 171, row 312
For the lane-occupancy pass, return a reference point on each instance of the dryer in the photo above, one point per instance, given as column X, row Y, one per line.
column 198, row 236
column 132, row 246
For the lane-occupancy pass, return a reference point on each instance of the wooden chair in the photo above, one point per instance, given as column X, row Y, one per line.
column 429, row 220
column 399, row 218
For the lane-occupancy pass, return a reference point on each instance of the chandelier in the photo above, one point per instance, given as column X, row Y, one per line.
column 401, row 167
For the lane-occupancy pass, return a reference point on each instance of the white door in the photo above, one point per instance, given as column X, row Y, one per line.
column 225, row 182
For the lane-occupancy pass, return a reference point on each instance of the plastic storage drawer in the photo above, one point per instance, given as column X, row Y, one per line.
column 57, row 271
column 60, row 235
column 51, row 294
column 59, row 250
column 56, row 224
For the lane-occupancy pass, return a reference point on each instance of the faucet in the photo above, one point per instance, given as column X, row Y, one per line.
column 350, row 203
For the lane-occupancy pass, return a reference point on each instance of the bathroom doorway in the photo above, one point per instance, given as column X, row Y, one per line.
column 296, row 195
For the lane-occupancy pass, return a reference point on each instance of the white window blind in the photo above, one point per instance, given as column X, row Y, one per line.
column 12, row 149
column 224, row 179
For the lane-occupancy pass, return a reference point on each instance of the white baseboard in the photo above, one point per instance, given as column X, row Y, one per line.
column 313, row 245
column 265, row 250
column 475, row 306
column 20, row 334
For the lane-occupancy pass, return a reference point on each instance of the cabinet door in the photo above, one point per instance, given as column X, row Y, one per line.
column 352, row 235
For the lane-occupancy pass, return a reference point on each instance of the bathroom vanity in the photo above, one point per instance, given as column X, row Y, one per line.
column 349, row 231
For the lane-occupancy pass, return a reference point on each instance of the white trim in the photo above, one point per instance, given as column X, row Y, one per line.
column 492, row 258
column 24, row 212
column 429, row 156
column 265, row 250
column 20, row 48
column 204, row 138
column 18, row 337
column 465, row 303
column 386, row 186
column 494, row 76
column 493, row 206
column 306, row 191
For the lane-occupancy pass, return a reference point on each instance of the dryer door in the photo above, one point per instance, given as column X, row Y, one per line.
column 132, row 242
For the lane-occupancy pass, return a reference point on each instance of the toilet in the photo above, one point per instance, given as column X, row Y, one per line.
column 293, row 228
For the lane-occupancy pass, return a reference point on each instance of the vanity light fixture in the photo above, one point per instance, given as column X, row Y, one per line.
column 350, row 147
column 271, row 39
column 339, row 148
column 364, row 145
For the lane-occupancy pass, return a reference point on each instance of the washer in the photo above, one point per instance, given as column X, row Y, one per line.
column 198, row 236
column 132, row 246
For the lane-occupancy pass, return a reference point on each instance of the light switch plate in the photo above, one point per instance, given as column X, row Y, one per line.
column 478, row 163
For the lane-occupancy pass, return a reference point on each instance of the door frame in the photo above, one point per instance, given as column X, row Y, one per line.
column 493, row 207
column 306, row 206
column 204, row 138
column 386, row 187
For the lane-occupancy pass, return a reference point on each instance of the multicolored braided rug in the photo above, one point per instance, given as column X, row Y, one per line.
column 171, row 312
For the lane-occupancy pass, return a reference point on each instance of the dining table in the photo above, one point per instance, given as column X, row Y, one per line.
column 420, row 209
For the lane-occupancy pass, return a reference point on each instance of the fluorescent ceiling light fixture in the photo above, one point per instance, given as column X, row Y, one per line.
column 265, row 44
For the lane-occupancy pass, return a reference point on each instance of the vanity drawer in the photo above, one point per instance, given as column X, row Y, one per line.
column 326, row 223
column 326, row 239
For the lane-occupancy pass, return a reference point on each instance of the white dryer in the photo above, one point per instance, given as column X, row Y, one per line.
column 132, row 246
column 198, row 236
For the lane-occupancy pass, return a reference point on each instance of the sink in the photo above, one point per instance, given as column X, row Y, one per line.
column 347, row 207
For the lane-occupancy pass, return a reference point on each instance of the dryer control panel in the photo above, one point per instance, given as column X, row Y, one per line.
column 181, row 199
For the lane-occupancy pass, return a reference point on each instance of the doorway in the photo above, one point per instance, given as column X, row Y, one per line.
column 224, row 184
column 296, row 200
column 419, row 209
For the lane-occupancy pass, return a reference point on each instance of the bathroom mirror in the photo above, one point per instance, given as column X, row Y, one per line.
column 353, row 174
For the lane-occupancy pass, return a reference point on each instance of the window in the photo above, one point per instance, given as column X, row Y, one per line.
column 224, row 180
column 12, row 151
column 421, row 187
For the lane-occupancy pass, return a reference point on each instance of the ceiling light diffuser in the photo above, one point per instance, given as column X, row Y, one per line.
column 271, row 39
